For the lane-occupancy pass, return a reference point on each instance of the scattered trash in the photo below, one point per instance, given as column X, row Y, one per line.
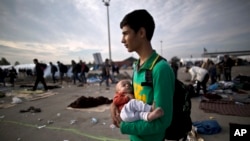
column 211, row 117
column 94, row 120
column 58, row 114
column 31, row 109
column 1, row 117
column 50, row 121
column 239, row 103
column 193, row 135
column 93, row 80
column 104, row 123
column 16, row 100
column 40, row 127
column 112, row 126
column 72, row 121
column 18, row 139
column 39, row 119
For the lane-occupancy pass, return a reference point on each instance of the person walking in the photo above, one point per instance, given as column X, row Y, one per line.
column 84, row 68
column 105, row 73
column 53, row 70
column 76, row 68
column 137, row 32
column 39, row 70
column 63, row 69
column 13, row 76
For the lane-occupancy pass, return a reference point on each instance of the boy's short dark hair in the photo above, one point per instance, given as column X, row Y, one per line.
column 137, row 19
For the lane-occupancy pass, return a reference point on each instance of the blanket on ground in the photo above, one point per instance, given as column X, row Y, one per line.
column 226, row 108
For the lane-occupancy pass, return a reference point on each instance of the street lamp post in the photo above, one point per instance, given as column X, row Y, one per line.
column 106, row 3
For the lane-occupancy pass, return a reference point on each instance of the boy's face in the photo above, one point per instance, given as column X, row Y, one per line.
column 124, row 86
column 130, row 39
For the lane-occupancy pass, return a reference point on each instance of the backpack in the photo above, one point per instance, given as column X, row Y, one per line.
column 64, row 68
column 86, row 69
column 43, row 66
column 181, row 122
column 78, row 68
column 54, row 68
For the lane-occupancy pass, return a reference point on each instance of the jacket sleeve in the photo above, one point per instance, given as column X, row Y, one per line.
column 163, row 89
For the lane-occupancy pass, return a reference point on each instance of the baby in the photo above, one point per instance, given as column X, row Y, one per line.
column 132, row 109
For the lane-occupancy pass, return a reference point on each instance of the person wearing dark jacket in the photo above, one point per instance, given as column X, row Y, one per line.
column 13, row 76
column 76, row 68
column 63, row 69
column 39, row 68
column 53, row 71
column 227, row 64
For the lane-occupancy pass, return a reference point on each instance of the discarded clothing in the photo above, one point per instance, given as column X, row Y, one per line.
column 32, row 110
column 87, row 102
column 207, row 127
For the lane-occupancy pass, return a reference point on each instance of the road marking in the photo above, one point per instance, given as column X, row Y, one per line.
column 72, row 130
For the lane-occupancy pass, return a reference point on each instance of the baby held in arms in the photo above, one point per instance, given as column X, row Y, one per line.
column 132, row 109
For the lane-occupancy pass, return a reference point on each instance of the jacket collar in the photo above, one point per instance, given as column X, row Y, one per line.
column 148, row 63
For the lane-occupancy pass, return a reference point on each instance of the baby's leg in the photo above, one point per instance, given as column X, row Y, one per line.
column 138, row 105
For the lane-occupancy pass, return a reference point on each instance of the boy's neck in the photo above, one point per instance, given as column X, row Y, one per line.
column 144, row 53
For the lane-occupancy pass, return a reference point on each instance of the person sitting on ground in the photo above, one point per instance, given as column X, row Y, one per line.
column 132, row 109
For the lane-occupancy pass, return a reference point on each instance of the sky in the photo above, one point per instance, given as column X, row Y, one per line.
column 65, row 30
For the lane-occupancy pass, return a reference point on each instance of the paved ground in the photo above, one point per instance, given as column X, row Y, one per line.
column 24, row 126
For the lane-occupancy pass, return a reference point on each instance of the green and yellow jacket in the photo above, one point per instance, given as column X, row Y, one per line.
column 161, row 94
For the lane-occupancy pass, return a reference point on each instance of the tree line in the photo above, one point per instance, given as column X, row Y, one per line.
column 4, row 61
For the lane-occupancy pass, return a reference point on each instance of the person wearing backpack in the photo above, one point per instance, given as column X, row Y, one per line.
column 84, row 69
column 63, row 69
column 137, row 29
column 76, row 69
column 39, row 68
column 105, row 74
column 53, row 71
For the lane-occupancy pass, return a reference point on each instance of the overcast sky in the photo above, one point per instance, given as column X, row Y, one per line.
column 62, row 30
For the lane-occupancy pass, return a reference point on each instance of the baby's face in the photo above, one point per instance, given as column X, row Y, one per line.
column 124, row 86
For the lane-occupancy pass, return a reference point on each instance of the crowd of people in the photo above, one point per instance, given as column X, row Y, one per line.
column 199, row 74
column 76, row 71
column 11, row 73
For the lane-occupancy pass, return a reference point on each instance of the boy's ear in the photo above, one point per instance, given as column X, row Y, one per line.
column 142, row 32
